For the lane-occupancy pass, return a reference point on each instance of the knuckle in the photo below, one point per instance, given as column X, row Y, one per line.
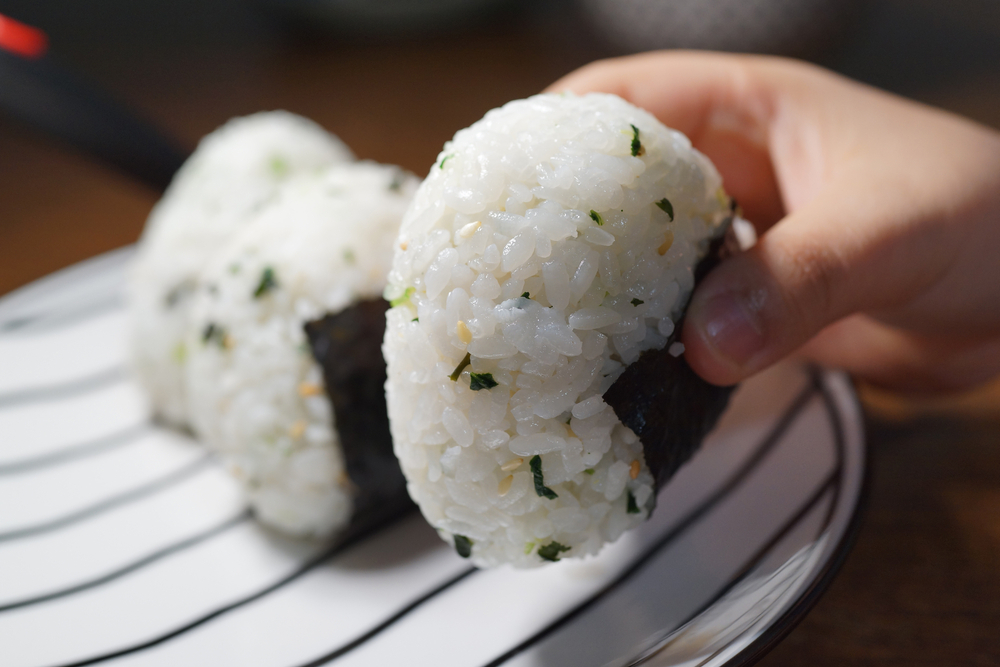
column 815, row 274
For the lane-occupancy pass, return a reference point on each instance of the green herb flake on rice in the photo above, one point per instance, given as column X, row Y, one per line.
column 463, row 545
column 403, row 298
column 631, row 506
column 268, row 282
column 279, row 166
column 213, row 333
column 551, row 551
column 461, row 367
column 479, row 381
column 536, row 470
column 179, row 353
column 637, row 148
column 666, row 207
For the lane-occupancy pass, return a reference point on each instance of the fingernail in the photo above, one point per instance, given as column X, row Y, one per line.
column 731, row 324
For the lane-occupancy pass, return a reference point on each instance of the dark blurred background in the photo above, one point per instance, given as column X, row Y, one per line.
column 396, row 78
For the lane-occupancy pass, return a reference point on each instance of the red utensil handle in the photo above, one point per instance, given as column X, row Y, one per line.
column 22, row 39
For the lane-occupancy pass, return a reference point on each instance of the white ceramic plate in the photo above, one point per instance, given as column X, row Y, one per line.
column 122, row 543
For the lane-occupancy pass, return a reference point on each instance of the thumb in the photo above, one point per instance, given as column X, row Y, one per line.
column 811, row 269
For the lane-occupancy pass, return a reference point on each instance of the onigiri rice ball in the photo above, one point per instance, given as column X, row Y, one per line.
column 234, row 172
column 551, row 244
column 255, row 392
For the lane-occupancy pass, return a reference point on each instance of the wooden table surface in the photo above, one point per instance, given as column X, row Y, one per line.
column 922, row 585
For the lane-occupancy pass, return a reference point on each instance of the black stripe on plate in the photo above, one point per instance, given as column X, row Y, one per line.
column 832, row 481
column 338, row 547
column 839, row 444
column 94, row 268
column 835, row 479
column 692, row 519
column 759, row 454
column 124, row 437
column 361, row 639
column 149, row 559
column 102, row 506
column 779, row 629
column 752, row 461
column 99, row 380
column 37, row 323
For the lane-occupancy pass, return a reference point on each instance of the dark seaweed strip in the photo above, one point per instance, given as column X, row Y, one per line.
column 356, row 532
column 348, row 346
column 125, row 498
column 170, row 550
column 832, row 481
column 358, row 641
column 668, row 406
column 124, row 437
column 36, row 323
column 84, row 385
column 766, row 446
column 721, row 247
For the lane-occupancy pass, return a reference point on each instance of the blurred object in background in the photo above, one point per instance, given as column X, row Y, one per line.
column 189, row 65
column 786, row 27
column 383, row 17
column 22, row 40
column 38, row 94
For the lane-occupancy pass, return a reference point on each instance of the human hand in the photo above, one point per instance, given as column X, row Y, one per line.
column 879, row 220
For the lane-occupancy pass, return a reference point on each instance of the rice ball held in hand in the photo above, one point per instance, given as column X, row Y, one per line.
column 292, row 298
column 234, row 171
column 552, row 243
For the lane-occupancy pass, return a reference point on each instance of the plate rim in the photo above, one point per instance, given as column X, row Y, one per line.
column 23, row 297
column 805, row 602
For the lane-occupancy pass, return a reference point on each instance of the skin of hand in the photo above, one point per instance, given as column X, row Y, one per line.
column 879, row 220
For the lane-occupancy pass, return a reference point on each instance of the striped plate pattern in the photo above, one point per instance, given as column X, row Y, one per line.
column 123, row 543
